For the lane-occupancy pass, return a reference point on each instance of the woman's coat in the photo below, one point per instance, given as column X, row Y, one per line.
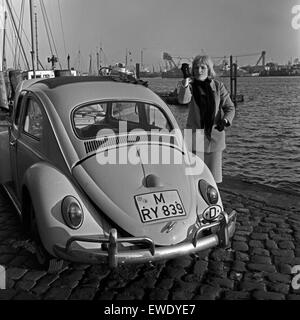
column 225, row 109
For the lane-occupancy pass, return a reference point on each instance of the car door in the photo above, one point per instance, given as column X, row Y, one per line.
column 14, row 136
column 31, row 139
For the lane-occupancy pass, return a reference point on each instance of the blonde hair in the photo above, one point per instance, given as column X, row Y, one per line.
column 204, row 59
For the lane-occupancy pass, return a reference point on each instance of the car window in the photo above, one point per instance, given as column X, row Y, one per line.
column 156, row 118
column 89, row 115
column 147, row 116
column 90, row 120
column 33, row 122
column 125, row 111
column 18, row 108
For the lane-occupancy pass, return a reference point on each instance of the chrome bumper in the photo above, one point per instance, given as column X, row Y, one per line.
column 114, row 257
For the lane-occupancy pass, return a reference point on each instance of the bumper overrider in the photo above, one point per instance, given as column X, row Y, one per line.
column 108, row 251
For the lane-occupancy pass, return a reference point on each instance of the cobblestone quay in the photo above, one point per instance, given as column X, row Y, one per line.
column 258, row 266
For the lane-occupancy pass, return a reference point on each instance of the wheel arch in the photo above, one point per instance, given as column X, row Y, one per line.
column 45, row 187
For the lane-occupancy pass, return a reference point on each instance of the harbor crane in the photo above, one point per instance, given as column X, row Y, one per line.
column 170, row 63
column 262, row 57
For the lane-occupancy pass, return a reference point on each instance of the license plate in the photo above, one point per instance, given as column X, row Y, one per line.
column 159, row 206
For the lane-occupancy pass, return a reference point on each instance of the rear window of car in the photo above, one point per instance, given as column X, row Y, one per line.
column 95, row 119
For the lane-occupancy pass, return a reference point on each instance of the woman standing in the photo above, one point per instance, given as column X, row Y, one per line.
column 210, row 109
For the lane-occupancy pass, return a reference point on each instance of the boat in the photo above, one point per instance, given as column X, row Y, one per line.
column 121, row 68
column 172, row 73
column 282, row 71
column 117, row 69
column 35, row 69
column 149, row 74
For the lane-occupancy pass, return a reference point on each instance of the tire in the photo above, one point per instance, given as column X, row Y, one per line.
column 42, row 255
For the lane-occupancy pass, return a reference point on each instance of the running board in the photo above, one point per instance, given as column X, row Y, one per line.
column 8, row 187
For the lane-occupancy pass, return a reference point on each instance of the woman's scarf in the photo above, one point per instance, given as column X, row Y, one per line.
column 206, row 103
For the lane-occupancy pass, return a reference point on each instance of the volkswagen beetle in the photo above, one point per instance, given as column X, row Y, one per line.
column 100, row 173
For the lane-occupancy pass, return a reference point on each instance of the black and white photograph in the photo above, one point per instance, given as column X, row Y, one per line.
column 149, row 153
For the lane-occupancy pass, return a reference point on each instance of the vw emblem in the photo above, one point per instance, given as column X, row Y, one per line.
column 168, row 227
column 212, row 213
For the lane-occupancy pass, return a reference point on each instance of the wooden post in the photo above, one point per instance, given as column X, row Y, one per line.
column 98, row 63
column 137, row 70
column 142, row 60
column 235, row 83
column 233, row 76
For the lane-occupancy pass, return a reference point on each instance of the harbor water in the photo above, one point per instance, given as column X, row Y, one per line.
column 263, row 145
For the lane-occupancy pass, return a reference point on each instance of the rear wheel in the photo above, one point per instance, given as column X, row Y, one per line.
column 47, row 261
column 42, row 255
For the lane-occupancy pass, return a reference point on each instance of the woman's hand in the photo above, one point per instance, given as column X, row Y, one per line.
column 222, row 125
column 186, row 82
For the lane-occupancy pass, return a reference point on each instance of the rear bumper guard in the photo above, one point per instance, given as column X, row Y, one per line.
column 113, row 257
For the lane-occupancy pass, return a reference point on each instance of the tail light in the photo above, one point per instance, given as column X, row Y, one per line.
column 72, row 212
column 208, row 192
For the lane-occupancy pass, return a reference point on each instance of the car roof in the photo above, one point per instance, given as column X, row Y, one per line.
column 59, row 81
column 67, row 92
column 61, row 95
column 24, row 84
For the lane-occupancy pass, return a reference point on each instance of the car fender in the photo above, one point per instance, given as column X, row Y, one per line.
column 48, row 187
column 199, row 170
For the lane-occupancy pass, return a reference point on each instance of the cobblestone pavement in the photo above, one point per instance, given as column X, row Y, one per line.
column 265, row 247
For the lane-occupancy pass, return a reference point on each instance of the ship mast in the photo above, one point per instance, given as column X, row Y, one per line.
column 4, row 65
column 33, row 57
column 17, row 33
column 36, row 41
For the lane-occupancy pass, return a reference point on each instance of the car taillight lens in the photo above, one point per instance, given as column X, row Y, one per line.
column 208, row 192
column 212, row 195
column 72, row 212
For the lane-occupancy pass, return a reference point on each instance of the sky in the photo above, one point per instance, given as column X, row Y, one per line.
column 147, row 28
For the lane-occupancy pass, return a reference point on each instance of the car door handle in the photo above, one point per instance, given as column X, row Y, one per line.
column 12, row 142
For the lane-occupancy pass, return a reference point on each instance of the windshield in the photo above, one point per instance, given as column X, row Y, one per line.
column 89, row 120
